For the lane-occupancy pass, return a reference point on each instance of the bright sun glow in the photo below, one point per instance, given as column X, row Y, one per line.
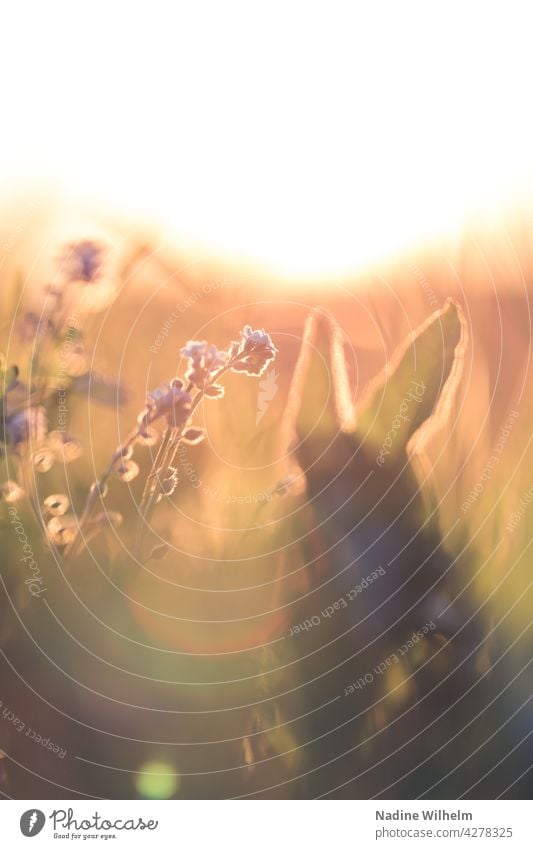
column 314, row 138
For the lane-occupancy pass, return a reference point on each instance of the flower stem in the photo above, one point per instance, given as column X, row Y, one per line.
column 165, row 458
column 95, row 491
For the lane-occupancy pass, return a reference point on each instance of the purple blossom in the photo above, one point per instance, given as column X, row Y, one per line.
column 169, row 400
column 83, row 261
column 204, row 360
column 26, row 424
column 253, row 353
column 32, row 328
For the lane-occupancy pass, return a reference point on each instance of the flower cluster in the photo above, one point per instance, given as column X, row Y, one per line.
column 169, row 400
column 204, row 360
column 83, row 262
column 253, row 352
column 25, row 425
column 174, row 402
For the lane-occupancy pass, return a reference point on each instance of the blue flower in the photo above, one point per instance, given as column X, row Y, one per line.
column 253, row 353
column 169, row 400
column 204, row 360
column 83, row 262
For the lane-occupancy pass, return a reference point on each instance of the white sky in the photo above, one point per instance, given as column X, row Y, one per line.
column 314, row 137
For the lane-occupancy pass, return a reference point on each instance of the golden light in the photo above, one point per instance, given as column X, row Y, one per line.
column 312, row 138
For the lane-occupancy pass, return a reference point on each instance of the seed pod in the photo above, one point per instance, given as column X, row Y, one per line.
column 147, row 436
column 193, row 435
column 98, row 488
column 56, row 505
column 158, row 552
column 62, row 530
column 10, row 492
column 66, row 448
column 127, row 470
column 43, row 461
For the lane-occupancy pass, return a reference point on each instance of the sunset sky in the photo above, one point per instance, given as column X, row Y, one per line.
column 313, row 138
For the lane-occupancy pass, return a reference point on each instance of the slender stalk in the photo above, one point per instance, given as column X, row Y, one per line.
column 96, row 490
column 172, row 442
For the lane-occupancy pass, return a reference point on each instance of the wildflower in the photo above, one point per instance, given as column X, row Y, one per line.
column 194, row 350
column 169, row 400
column 26, row 424
column 253, row 353
column 204, row 360
column 83, row 262
column 32, row 328
column 56, row 505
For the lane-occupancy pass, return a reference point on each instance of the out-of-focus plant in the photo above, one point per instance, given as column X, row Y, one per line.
column 174, row 403
column 59, row 363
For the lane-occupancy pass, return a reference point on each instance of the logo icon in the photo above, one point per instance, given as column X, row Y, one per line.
column 32, row 822
column 268, row 388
